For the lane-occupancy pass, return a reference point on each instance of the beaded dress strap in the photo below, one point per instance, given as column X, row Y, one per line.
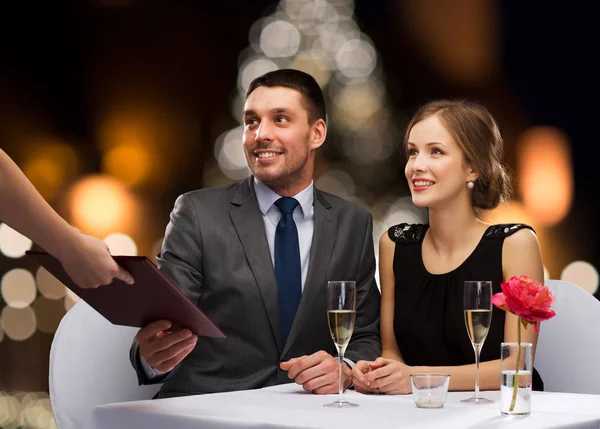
column 406, row 233
column 505, row 229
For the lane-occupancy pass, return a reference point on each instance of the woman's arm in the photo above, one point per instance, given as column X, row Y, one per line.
column 521, row 255
column 86, row 259
column 389, row 345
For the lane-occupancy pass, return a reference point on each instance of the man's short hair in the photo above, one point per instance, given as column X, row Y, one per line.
column 305, row 84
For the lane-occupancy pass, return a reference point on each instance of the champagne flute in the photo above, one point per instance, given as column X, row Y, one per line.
column 477, row 300
column 341, row 313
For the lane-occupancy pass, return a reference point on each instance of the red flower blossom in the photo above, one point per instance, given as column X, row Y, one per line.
column 527, row 298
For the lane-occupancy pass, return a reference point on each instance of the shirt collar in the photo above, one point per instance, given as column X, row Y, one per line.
column 266, row 197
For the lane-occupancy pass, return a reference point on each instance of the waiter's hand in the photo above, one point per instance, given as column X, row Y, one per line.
column 162, row 349
column 317, row 373
column 88, row 262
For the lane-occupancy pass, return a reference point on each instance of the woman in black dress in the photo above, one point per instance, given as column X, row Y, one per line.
column 453, row 168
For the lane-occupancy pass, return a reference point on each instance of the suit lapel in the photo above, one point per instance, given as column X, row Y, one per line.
column 320, row 254
column 247, row 220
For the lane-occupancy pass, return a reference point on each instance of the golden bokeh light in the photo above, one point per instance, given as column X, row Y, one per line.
column 404, row 211
column 29, row 398
column 511, row 212
column 583, row 274
column 230, row 154
column 355, row 105
column 356, row 58
column 127, row 125
column 48, row 314
column 38, row 413
column 545, row 174
column 10, row 411
column 121, row 244
column 19, row 323
column 337, row 182
column 252, row 68
column 46, row 175
column 459, row 38
column 18, row 288
column 70, row 299
column 280, row 39
column 130, row 163
column 144, row 143
column 314, row 63
column 48, row 285
column 50, row 166
column 13, row 244
column 101, row 204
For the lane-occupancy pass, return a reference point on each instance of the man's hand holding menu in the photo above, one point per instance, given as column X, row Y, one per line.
column 161, row 349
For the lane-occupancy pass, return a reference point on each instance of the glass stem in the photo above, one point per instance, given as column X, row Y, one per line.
column 477, row 350
column 341, row 383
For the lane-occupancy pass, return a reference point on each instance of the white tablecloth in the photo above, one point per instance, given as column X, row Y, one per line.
column 288, row 406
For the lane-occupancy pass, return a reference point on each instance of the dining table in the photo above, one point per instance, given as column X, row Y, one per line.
column 288, row 406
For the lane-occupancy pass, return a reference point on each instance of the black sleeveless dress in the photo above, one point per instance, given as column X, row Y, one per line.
column 428, row 310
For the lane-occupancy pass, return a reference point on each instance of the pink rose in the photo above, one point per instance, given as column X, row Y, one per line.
column 527, row 298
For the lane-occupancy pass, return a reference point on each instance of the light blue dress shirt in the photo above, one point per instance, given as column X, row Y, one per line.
column 304, row 217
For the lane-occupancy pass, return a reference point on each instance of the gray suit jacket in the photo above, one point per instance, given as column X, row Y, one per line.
column 216, row 250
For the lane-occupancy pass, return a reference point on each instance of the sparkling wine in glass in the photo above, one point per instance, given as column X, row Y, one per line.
column 341, row 314
column 477, row 300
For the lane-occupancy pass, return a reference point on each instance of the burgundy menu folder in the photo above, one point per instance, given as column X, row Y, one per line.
column 152, row 297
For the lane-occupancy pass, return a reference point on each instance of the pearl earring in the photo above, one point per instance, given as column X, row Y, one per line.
column 470, row 185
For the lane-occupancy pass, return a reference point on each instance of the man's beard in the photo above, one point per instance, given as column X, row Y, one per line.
column 283, row 176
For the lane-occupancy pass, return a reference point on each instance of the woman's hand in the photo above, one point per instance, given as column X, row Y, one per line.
column 361, row 368
column 382, row 376
column 89, row 264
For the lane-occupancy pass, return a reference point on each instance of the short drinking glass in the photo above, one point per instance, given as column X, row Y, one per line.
column 429, row 390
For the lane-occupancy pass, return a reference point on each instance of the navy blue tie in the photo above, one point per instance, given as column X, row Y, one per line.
column 287, row 264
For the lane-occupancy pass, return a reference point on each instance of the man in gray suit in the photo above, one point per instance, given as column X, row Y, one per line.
column 226, row 248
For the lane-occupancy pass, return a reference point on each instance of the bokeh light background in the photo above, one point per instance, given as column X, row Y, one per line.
column 113, row 108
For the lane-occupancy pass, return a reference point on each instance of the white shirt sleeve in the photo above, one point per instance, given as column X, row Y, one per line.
column 351, row 363
column 148, row 370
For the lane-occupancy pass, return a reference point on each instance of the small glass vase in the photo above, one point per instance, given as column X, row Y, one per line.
column 517, row 369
